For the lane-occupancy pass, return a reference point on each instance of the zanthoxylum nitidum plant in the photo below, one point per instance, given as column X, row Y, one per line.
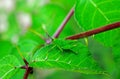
column 69, row 53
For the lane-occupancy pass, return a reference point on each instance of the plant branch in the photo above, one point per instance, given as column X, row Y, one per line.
column 25, row 61
column 28, row 71
column 95, row 31
column 62, row 25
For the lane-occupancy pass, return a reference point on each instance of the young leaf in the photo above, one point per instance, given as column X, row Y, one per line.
column 51, row 57
column 91, row 14
column 8, row 66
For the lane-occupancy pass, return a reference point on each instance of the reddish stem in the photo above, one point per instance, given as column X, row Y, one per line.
column 28, row 71
column 95, row 31
column 67, row 18
column 27, row 68
column 25, row 61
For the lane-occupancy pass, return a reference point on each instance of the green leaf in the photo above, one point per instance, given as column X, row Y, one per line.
column 8, row 66
column 5, row 48
column 19, row 74
column 91, row 14
column 27, row 47
column 51, row 56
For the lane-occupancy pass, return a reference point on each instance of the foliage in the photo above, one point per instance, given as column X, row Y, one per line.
column 87, row 58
